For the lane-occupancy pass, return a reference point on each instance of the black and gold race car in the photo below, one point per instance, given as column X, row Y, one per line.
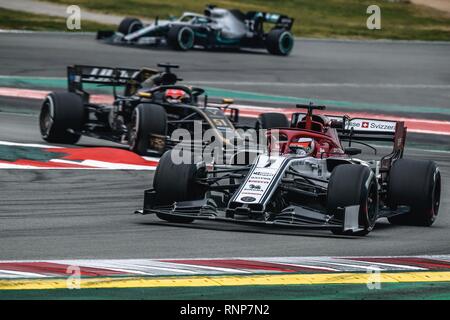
column 145, row 116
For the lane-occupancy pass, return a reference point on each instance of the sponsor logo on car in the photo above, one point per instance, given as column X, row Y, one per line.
column 372, row 125
column 97, row 73
column 265, row 174
column 248, row 199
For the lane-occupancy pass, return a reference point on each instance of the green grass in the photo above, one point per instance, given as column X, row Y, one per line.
column 18, row 20
column 314, row 18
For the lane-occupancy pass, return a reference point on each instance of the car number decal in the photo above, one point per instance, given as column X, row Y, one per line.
column 260, row 181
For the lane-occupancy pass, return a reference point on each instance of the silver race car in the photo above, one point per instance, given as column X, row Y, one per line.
column 216, row 28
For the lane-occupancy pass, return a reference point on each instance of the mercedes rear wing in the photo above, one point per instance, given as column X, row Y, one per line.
column 280, row 21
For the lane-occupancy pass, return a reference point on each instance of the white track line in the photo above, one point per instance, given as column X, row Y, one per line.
column 105, row 165
column 227, row 270
column 20, row 274
column 31, row 145
column 354, row 266
column 16, row 166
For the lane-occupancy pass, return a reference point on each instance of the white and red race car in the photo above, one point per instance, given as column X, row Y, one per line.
column 307, row 179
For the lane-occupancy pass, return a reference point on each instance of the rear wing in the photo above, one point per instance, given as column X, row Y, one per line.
column 366, row 129
column 280, row 21
column 77, row 75
column 370, row 129
column 363, row 129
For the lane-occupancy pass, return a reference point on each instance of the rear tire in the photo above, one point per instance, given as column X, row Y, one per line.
column 177, row 182
column 60, row 112
column 351, row 185
column 181, row 38
column 417, row 184
column 146, row 120
column 279, row 42
column 129, row 25
column 272, row 120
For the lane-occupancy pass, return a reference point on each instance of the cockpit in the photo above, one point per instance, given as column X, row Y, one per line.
column 310, row 135
column 230, row 22
column 193, row 18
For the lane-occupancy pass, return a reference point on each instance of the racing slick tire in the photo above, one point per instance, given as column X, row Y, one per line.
column 177, row 182
column 129, row 25
column 271, row 120
column 148, row 119
column 181, row 38
column 279, row 42
column 60, row 112
column 417, row 184
column 350, row 185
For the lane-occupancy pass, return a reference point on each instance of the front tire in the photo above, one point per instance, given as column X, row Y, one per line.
column 146, row 120
column 61, row 112
column 352, row 185
column 177, row 182
column 129, row 25
column 181, row 38
column 417, row 184
column 279, row 42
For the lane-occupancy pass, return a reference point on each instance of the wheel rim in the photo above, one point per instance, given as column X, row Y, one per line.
column 186, row 38
column 134, row 130
column 286, row 42
column 135, row 26
column 371, row 205
column 436, row 195
column 46, row 118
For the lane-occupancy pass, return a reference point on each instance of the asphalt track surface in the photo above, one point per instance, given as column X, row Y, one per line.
column 57, row 214
column 404, row 73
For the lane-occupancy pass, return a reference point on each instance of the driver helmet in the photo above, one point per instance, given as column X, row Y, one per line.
column 175, row 95
column 302, row 146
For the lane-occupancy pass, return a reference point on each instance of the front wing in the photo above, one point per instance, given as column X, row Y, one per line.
column 293, row 216
column 112, row 37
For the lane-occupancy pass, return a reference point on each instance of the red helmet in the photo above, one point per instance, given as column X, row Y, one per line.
column 302, row 146
column 175, row 95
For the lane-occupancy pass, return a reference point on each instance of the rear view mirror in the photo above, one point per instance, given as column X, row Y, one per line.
column 352, row 151
column 336, row 124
